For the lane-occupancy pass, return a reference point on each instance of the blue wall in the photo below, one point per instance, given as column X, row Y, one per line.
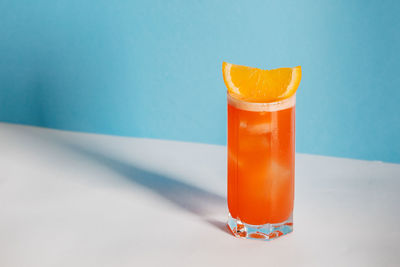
column 153, row 68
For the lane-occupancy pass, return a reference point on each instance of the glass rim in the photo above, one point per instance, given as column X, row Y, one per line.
column 262, row 106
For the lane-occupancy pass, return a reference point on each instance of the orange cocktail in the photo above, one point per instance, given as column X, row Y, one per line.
column 261, row 158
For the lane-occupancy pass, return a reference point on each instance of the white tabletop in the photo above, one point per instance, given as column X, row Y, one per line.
column 74, row 199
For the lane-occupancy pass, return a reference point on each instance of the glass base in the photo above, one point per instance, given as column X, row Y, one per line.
column 261, row 232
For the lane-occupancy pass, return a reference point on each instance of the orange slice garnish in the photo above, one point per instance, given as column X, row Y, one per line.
column 257, row 85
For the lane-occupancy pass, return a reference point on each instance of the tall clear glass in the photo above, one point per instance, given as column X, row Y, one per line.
column 261, row 155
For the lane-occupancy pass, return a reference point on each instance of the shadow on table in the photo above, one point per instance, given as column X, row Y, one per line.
column 185, row 196
column 188, row 197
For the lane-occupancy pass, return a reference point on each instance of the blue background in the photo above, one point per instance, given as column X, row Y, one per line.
column 153, row 68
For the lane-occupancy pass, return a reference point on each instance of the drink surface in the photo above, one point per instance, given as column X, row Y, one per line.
column 261, row 153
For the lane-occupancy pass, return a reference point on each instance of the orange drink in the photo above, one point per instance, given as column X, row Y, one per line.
column 261, row 158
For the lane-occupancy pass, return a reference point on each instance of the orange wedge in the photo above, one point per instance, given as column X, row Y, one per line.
column 257, row 85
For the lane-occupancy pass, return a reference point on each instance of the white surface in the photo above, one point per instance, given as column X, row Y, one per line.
column 69, row 199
